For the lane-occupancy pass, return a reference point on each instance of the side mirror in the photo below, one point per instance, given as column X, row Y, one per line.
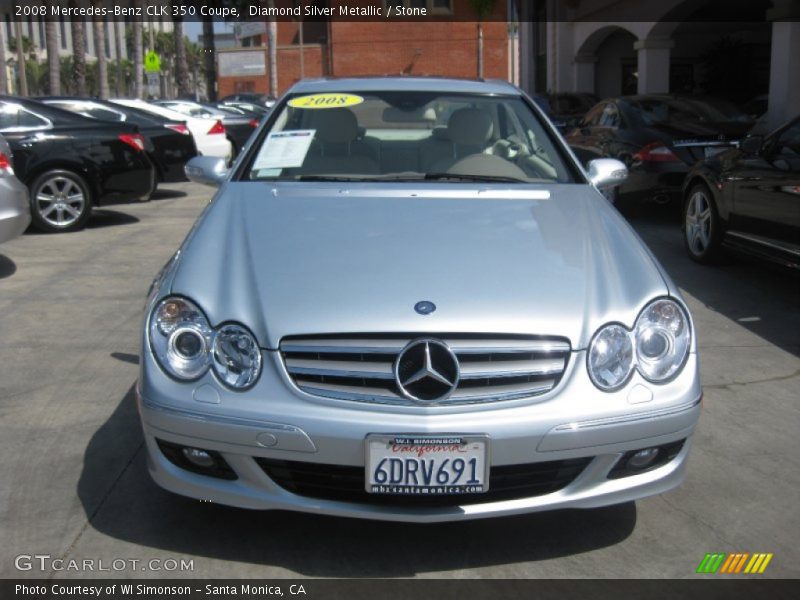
column 208, row 170
column 752, row 144
column 607, row 172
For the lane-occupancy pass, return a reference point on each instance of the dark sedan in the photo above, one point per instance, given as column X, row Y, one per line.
column 169, row 144
column 659, row 138
column 71, row 163
column 748, row 199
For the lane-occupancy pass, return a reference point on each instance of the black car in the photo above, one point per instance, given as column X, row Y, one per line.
column 568, row 108
column 71, row 163
column 169, row 144
column 659, row 137
column 265, row 99
column 747, row 198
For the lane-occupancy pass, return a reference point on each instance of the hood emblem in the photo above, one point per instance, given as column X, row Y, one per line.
column 424, row 307
column 426, row 371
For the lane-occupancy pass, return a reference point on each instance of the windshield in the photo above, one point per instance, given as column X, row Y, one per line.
column 655, row 111
column 397, row 136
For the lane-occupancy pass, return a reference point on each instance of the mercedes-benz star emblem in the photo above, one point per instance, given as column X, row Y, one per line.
column 426, row 370
column 424, row 307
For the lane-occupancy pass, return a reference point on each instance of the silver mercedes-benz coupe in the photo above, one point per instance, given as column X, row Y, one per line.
column 408, row 301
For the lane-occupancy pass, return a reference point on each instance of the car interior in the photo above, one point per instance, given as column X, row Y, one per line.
column 465, row 136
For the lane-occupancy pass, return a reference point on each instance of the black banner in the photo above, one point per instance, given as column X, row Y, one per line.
column 387, row 589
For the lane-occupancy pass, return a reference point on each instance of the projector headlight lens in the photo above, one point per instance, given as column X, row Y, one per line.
column 663, row 339
column 180, row 337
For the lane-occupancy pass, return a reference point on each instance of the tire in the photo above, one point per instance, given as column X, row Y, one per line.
column 60, row 201
column 702, row 226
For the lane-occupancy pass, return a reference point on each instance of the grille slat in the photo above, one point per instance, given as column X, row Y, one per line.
column 360, row 368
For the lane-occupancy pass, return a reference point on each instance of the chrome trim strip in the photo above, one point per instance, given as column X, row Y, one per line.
column 764, row 242
column 665, row 412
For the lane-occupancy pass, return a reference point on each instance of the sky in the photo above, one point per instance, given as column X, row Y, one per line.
column 193, row 29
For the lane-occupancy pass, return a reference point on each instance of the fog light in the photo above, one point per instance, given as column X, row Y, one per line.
column 643, row 458
column 198, row 457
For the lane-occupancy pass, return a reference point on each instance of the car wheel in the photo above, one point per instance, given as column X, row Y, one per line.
column 702, row 228
column 60, row 201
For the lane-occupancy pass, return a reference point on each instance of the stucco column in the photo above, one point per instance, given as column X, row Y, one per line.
column 653, row 65
column 584, row 66
column 784, row 72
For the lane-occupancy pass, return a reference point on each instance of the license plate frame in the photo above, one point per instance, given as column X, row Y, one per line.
column 412, row 447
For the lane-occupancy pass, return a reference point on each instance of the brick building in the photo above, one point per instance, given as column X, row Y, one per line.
column 442, row 45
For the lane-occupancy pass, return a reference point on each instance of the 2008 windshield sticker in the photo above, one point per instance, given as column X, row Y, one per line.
column 325, row 101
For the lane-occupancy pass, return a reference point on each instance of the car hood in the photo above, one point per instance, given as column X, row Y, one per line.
column 291, row 259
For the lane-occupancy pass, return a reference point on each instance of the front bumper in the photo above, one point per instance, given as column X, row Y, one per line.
column 15, row 210
column 276, row 421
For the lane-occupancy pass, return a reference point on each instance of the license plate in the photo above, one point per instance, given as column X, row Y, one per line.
column 430, row 465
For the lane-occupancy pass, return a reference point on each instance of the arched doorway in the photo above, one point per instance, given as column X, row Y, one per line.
column 605, row 63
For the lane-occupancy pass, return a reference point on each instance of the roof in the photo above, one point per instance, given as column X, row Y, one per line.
column 395, row 83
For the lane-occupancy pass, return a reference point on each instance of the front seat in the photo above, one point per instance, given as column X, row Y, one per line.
column 336, row 147
column 469, row 131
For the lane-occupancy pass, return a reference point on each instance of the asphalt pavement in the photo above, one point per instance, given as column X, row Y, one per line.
column 74, row 485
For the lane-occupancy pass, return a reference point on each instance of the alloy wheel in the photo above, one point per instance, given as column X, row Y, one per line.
column 698, row 223
column 60, row 201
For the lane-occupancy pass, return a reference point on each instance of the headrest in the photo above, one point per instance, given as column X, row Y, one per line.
column 335, row 125
column 470, row 126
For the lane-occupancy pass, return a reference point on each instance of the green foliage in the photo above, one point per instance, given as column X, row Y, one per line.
column 482, row 8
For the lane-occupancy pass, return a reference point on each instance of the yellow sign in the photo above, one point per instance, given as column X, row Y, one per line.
column 152, row 62
column 325, row 101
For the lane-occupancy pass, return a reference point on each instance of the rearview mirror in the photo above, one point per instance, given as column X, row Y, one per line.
column 752, row 144
column 607, row 172
column 208, row 170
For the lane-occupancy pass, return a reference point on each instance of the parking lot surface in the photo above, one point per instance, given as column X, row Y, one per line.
column 74, row 485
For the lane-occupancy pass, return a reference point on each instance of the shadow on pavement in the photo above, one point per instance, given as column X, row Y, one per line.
column 126, row 357
column 109, row 218
column 164, row 194
column 758, row 296
column 122, row 502
column 7, row 267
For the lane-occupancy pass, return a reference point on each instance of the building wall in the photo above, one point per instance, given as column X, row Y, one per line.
column 288, row 70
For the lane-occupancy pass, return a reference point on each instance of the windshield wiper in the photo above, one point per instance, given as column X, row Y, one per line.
column 471, row 177
column 328, row 178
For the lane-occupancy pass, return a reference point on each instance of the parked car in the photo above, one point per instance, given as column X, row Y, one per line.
column 248, row 107
column 747, row 199
column 263, row 99
column 570, row 107
column 238, row 127
column 71, row 163
column 169, row 143
column 375, row 320
column 15, row 211
column 209, row 136
column 659, row 137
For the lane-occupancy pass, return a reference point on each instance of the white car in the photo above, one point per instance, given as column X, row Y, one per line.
column 209, row 136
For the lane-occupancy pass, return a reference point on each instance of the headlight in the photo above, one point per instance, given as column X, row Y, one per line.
column 610, row 357
column 180, row 337
column 186, row 346
column 662, row 340
column 657, row 347
column 237, row 358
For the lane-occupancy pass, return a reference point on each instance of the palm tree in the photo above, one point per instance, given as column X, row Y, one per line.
column 118, row 50
column 181, row 67
column 23, row 78
column 482, row 8
column 79, row 53
column 100, row 52
column 272, row 40
column 53, row 63
column 3, row 80
column 138, row 54
column 209, row 56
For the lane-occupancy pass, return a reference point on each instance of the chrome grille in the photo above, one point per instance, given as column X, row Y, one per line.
column 361, row 368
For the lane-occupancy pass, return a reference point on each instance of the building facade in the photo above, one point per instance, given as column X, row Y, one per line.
column 732, row 49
